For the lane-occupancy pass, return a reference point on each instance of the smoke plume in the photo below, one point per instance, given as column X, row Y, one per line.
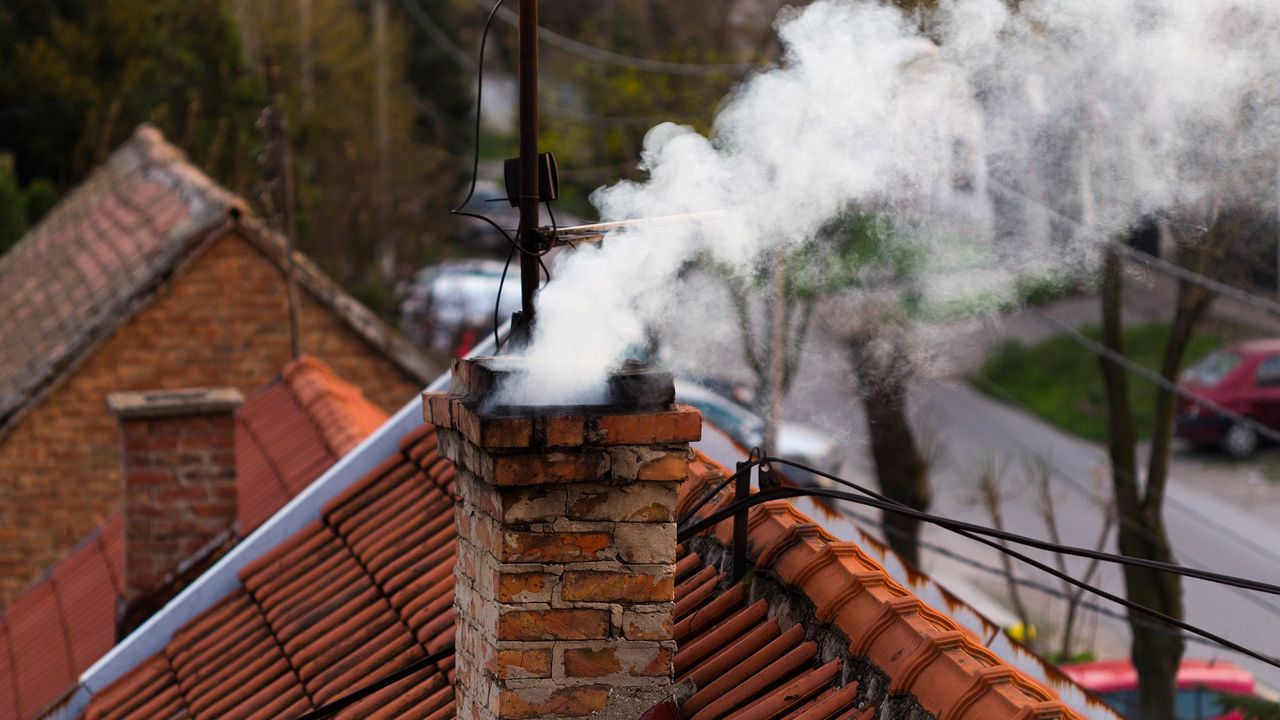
column 998, row 141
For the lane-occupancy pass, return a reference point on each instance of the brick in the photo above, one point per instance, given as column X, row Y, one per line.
column 554, row 624
column 648, row 625
column 556, row 547
column 634, row 659
column 645, row 542
column 521, row 664
column 684, row 424
column 524, row 587
column 540, row 702
column 636, row 502
column 626, row 586
column 550, row 468
column 564, row 431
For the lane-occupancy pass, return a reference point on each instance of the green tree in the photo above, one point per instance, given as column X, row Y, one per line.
column 81, row 74
column 13, row 205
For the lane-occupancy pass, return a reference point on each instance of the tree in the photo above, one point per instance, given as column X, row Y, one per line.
column 80, row 75
column 328, row 64
column 1156, row 652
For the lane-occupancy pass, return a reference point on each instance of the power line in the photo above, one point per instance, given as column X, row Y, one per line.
column 609, row 57
column 968, row 530
column 1026, row 582
column 1151, row 261
column 436, row 33
column 1074, row 484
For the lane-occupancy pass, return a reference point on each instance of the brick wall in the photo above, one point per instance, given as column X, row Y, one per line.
column 222, row 321
column 565, row 581
column 178, row 479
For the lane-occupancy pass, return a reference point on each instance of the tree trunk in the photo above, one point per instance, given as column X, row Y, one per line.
column 900, row 468
column 1156, row 651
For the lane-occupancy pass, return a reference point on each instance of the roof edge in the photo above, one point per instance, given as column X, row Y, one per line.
column 373, row 329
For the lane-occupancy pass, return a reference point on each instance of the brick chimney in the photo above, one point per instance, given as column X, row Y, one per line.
column 565, row 579
column 179, row 485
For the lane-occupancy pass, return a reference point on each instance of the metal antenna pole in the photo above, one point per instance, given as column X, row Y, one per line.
column 529, row 191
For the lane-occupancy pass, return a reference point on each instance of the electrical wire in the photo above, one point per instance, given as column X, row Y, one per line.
column 609, row 57
column 967, row 527
column 338, row 704
column 967, row 561
column 1151, row 261
column 436, row 33
column 791, row 492
column 475, row 160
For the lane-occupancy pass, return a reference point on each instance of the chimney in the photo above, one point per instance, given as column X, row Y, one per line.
column 565, row 580
column 179, row 486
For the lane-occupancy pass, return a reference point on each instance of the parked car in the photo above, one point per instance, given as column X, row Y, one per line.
column 449, row 307
column 797, row 442
column 1199, row 684
column 1244, row 378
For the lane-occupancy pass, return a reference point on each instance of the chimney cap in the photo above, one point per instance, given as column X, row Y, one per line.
column 174, row 403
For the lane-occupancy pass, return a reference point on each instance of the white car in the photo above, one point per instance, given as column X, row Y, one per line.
column 797, row 442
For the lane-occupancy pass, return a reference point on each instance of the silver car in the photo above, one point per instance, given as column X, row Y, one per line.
column 797, row 442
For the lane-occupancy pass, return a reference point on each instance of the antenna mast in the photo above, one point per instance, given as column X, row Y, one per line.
column 527, row 236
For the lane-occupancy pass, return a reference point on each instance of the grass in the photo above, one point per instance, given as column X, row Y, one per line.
column 1059, row 381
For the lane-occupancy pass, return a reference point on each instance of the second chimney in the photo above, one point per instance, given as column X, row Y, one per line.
column 565, row 580
column 179, row 484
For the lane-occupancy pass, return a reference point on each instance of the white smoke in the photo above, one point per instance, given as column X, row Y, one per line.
column 1098, row 110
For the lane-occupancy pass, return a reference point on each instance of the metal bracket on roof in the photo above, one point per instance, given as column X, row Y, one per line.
column 741, row 491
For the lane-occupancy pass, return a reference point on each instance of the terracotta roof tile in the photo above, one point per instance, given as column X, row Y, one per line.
column 281, row 446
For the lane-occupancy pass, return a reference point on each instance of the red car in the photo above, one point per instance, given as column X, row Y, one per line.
column 1199, row 683
column 1244, row 378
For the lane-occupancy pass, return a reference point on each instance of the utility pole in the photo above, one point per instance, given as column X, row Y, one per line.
column 529, row 191
column 306, row 59
column 386, row 246
column 278, row 195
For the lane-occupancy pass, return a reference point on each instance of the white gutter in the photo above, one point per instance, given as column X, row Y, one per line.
column 153, row 635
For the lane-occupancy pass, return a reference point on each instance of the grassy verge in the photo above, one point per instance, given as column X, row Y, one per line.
column 1059, row 381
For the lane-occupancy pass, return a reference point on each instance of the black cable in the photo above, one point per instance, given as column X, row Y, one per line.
column 497, row 302
column 723, row 484
column 791, row 492
column 966, row 527
column 355, row 696
column 1027, row 583
column 475, row 159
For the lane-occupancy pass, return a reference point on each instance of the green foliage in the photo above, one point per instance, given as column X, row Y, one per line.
column 13, row 205
column 80, row 75
column 1059, row 381
column 1252, row 708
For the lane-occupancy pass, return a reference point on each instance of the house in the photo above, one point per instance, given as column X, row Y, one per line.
column 251, row 458
column 525, row 565
column 148, row 276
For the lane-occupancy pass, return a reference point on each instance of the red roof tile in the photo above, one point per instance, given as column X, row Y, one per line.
column 287, row 435
column 368, row 588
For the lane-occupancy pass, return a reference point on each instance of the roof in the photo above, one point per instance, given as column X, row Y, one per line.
column 368, row 587
column 287, row 435
column 103, row 251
